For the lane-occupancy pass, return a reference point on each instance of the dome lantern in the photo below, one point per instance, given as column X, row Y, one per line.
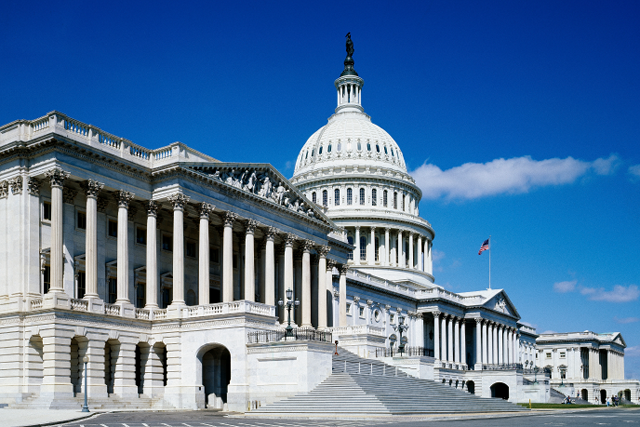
column 349, row 85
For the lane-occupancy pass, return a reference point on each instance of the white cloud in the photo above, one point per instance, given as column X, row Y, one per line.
column 635, row 171
column 618, row 294
column 625, row 320
column 563, row 287
column 505, row 176
column 437, row 256
column 632, row 351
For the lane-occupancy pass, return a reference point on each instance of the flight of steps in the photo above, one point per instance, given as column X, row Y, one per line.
column 385, row 392
column 113, row 402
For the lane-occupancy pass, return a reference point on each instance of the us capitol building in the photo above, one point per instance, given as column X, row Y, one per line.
column 165, row 278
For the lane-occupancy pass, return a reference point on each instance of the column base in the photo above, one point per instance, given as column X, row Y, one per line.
column 126, row 309
column 57, row 299
column 96, row 304
column 175, row 310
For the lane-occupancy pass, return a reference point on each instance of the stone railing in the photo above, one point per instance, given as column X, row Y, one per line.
column 503, row 367
column 61, row 124
column 233, row 307
column 36, row 304
column 79, row 304
column 112, row 309
column 358, row 330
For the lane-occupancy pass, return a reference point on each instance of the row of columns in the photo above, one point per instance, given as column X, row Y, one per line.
column 496, row 344
column 449, row 334
column 396, row 258
column 179, row 201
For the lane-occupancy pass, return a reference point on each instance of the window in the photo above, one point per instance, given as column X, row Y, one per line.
column 377, row 250
column 214, row 255
column 82, row 285
column 359, row 146
column 395, row 200
column 384, row 198
column 376, row 315
column 392, row 318
column 167, row 242
column 141, row 235
column 320, row 150
column 46, row 211
column 190, row 249
column 306, row 156
column 313, row 152
column 404, row 206
column 362, row 198
column 329, row 148
column 377, row 148
column 336, row 198
column 563, row 354
column 325, row 198
column 349, row 309
column 339, row 147
column 392, row 153
column 349, row 196
column 113, row 290
column 235, row 261
column 46, row 279
column 81, row 220
column 313, row 197
column 374, row 197
column 350, row 240
column 385, row 150
column 363, row 248
column 112, row 228
column 140, row 295
column 368, row 146
column 361, row 311
column 548, row 355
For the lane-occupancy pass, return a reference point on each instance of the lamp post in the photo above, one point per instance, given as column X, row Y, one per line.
column 563, row 372
column 401, row 327
column 85, row 408
column 290, row 304
column 535, row 373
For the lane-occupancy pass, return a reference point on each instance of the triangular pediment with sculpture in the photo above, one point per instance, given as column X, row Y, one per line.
column 501, row 303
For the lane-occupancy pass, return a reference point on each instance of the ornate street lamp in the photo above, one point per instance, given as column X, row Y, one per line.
column 401, row 327
column 85, row 408
column 535, row 373
column 563, row 371
column 290, row 304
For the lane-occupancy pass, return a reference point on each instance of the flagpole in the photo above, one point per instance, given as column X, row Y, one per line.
column 489, row 261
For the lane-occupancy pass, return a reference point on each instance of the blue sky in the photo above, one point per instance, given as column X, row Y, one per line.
column 520, row 121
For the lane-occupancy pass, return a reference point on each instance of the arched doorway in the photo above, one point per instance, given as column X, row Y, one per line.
column 216, row 374
column 584, row 394
column 471, row 387
column 603, row 396
column 500, row 390
column 627, row 395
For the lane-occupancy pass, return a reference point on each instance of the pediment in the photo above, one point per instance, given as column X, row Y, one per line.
column 501, row 304
column 265, row 182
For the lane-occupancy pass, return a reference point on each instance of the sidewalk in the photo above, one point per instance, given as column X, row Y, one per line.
column 39, row 417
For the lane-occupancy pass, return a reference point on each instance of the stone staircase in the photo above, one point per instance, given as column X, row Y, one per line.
column 365, row 386
column 112, row 402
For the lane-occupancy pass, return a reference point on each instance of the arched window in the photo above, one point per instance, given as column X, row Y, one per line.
column 368, row 146
column 384, row 198
column 349, row 196
column 362, row 198
column 313, row 197
column 404, row 206
column 363, row 248
column 336, row 198
column 374, row 197
column 377, row 250
column 320, row 150
column 385, row 150
column 392, row 153
column 377, row 148
column 359, row 146
column 325, row 197
column 339, row 147
column 313, row 152
column 329, row 148
column 395, row 200
column 306, row 156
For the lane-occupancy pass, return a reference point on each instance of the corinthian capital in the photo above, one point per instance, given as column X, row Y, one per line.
column 57, row 176
column 344, row 268
column 230, row 218
column 92, row 188
column 322, row 250
column 271, row 233
column 178, row 201
column 205, row 210
column 289, row 239
column 123, row 198
column 151, row 207
column 251, row 226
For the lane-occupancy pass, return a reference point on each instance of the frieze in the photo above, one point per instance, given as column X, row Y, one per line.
column 16, row 185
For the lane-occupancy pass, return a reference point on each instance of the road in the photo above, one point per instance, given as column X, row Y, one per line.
column 604, row 417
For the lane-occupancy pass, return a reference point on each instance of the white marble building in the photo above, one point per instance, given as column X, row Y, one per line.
column 164, row 268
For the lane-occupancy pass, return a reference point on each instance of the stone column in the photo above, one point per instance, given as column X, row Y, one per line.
column 123, row 198
column 322, row 285
column 289, row 240
column 270, row 268
column 450, row 353
column 227, row 257
column 152, row 256
column 249, row 261
column 307, row 245
column 411, row 250
column 355, row 311
column 343, row 294
column 153, row 370
column 331, row 264
column 56, row 365
column 517, row 347
column 500, row 359
column 387, row 247
column 56, row 177
column 463, row 342
column 457, row 340
column 356, row 255
column 485, row 342
column 494, row 337
column 372, row 256
column 419, row 330
column 428, row 257
column 444, row 353
column 178, row 201
column 203, row 255
column 436, row 335
column 124, row 378
column 507, row 346
column 478, row 343
column 401, row 260
column 95, row 367
column 420, row 260
column 92, row 189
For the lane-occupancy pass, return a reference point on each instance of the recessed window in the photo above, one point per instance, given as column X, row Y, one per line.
column 350, row 241
column 214, row 255
column 329, row 148
column 376, row 315
column 349, row 196
column 81, row 283
column 306, row 156
column 325, row 197
column 363, row 248
column 368, row 146
column 563, row 354
column 395, row 200
column 339, row 147
column 361, row 311
column 377, row 148
column 320, row 150
column 141, row 235
column 377, row 250
column 81, row 220
column 348, row 309
column 392, row 153
column 167, row 242
column 336, row 198
column 392, row 318
column 362, row 197
column 374, row 197
column 46, row 279
column 359, row 146
column 548, row 355
column 113, row 290
column 46, row 211
column 313, row 152
column 384, row 198
column 190, row 248
column 385, row 150
column 313, row 197
column 112, row 228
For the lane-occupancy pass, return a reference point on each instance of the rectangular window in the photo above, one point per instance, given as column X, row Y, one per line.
column 190, row 249
column 349, row 309
column 374, row 197
column 395, row 200
column 167, row 242
column 336, row 200
column 46, row 279
column 235, row 261
column 563, row 354
column 325, row 201
column 113, row 290
column 384, row 198
column 46, row 211
column 141, row 235
column 392, row 318
column 548, row 355
column 81, row 220
column 112, row 230
column 82, row 287
column 313, row 197
column 214, row 255
column 362, row 196
column 349, row 196
column 361, row 311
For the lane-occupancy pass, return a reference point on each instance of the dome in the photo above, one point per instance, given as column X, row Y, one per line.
column 350, row 138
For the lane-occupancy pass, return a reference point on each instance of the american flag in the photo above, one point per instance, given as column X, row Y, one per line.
column 484, row 247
